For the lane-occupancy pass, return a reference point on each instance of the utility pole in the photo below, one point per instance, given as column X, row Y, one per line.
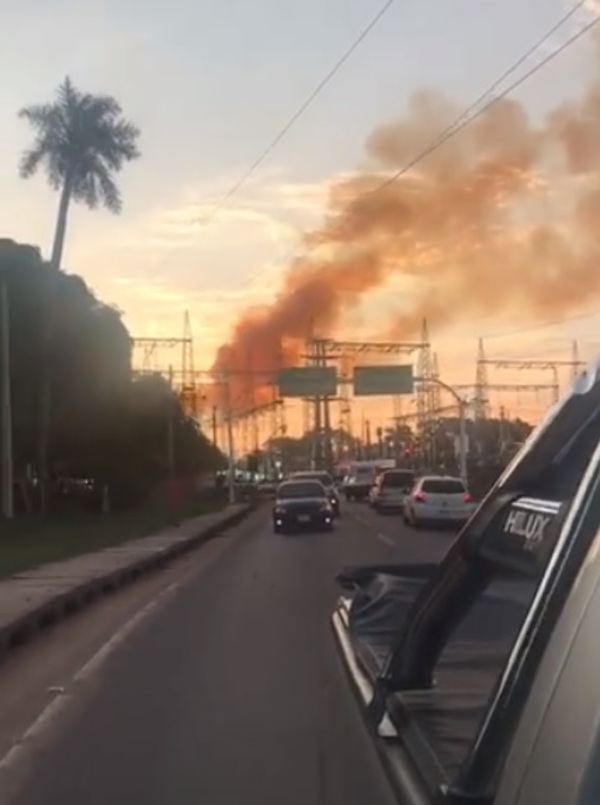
column 215, row 429
column 5, row 406
column 170, row 429
column 230, row 445
column 463, row 447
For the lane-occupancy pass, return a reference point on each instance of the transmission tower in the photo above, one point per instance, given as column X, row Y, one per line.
column 345, row 388
column 551, row 366
column 425, row 398
column 481, row 401
column 324, row 350
column 154, row 355
column 189, row 394
column 436, row 391
column 146, row 353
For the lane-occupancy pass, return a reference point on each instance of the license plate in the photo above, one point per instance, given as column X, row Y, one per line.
column 304, row 518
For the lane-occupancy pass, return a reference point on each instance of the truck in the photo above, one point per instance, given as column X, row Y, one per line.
column 361, row 476
column 477, row 677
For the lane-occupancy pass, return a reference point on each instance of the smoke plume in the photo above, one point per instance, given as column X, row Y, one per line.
column 502, row 218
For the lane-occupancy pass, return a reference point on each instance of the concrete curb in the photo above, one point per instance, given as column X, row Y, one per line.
column 34, row 600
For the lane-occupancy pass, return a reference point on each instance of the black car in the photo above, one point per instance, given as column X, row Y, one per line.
column 359, row 483
column 325, row 478
column 478, row 676
column 302, row 505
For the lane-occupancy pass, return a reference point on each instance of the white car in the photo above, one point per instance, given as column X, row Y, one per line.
column 438, row 500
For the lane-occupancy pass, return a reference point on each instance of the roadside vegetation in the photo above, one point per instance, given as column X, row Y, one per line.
column 94, row 443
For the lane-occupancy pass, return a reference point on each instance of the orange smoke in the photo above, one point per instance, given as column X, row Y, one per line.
column 503, row 217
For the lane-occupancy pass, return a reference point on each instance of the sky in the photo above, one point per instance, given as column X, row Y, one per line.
column 210, row 85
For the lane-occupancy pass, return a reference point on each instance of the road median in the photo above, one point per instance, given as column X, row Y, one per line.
column 36, row 598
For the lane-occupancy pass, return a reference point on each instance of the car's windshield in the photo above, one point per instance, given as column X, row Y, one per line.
column 301, row 489
column 443, row 486
column 395, row 479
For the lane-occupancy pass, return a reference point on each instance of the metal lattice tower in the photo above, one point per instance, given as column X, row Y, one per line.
column 187, row 352
column 436, row 391
column 481, row 401
column 345, row 387
column 551, row 366
column 148, row 350
column 320, row 351
column 425, row 405
column 188, row 392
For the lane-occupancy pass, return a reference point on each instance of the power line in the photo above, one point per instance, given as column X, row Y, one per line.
column 471, row 112
column 545, row 326
column 327, row 78
column 466, row 117
column 291, row 121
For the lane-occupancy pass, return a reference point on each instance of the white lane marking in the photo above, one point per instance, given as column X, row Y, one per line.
column 362, row 521
column 35, row 729
column 91, row 666
column 97, row 659
column 59, row 702
column 385, row 539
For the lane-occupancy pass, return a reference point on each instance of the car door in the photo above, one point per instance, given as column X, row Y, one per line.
column 554, row 758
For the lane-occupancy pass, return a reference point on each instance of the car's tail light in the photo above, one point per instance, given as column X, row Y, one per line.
column 467, row 498
column 419, row 497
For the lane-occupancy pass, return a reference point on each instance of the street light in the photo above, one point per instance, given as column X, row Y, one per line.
column 462, row 421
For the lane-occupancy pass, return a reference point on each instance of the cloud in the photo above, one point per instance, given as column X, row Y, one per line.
column 159, row 264
column 593, row 6
column 155, row 308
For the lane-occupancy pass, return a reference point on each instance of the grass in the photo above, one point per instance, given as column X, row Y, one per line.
column 31, row 541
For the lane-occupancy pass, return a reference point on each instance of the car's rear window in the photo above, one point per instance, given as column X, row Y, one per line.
column 301, row 489
column 324, row 477
column 401, row 480
column 443, row 486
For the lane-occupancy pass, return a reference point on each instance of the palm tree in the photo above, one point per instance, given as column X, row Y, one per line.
column 82, row 140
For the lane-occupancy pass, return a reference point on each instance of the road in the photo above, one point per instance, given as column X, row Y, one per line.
column 231, row 693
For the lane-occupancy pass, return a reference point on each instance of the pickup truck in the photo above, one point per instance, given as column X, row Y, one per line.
column 479, row 677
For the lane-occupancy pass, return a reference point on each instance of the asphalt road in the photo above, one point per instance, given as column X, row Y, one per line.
column 232, row 692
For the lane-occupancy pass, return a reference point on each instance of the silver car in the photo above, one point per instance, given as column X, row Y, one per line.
column 391, row 490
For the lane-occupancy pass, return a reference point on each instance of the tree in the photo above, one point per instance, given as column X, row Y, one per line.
column 107, row 423
column 88, row 358
column 82, row 140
